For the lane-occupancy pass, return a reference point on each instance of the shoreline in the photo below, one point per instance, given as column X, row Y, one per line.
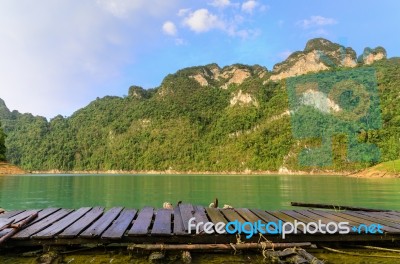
column 172, row 172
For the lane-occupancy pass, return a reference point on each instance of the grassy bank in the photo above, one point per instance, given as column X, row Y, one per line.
column 389, row 169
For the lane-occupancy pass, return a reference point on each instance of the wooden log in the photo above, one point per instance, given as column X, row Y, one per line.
column 17, row 227
column 205, row 247
column 337, row 207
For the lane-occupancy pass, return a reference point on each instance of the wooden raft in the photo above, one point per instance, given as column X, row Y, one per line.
column 59, row 226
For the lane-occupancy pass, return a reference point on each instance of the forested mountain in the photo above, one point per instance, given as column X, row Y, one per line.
column 205, row 118
column 2, row 144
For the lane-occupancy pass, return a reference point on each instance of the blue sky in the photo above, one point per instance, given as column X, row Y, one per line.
column 57, row 56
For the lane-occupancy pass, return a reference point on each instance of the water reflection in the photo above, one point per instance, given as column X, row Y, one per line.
column 135, row 191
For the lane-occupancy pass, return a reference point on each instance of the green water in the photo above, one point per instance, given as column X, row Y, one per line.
column 136, row 191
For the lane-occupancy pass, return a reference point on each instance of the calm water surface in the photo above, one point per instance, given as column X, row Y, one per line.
column 136, row 191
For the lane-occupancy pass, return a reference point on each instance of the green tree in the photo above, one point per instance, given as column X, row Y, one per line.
column 2, row 145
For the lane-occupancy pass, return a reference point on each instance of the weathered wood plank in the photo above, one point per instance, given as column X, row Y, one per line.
column 11, row 213
column 179, row 228
column 43, row 214
column 60, row 225
column 98, row 227
column 11, row 231
column 19, row 217
column 286, row 218
column 77, row 227
column 267, row 217
column 334, row 218
column 248, row 215
column 39, row 226
column 142, row 223
column 187, row 212
column 317, row 218
column 356, row 220
column 4, row 223
column 201, row 217
column 303, row 219
column 162, row 223
column 232, row 216
column 386, row 225
column 215, row 215
column 382, row 215
column 120, row 225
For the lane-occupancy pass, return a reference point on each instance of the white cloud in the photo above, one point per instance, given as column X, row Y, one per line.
column 202, row 20
column 125, row 8
column 249, row 6
column 169, row 28
column 183, row 12
column 220, row 3
column 57, row 56
column 316, row 21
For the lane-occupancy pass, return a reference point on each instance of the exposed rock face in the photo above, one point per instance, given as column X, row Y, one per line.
column 369, row 55
column 200, row 79
column 318, row 55
column 243, row 99
column 234, row 75
column 300, row 64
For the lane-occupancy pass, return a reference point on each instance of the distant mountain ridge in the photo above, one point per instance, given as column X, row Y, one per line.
column 203, row 118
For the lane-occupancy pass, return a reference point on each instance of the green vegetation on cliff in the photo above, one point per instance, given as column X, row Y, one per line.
column 2, row 144
column 200, row 119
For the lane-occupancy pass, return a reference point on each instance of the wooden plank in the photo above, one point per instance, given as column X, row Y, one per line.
column 98, row 227
column 286, row 218
column 162, row 223
column 303, row 219
column 383, row 216
column 142, row 223
column 11, row 213
column 77, row 227
column 12, row 231
column 249, row 215
column 179, row 228
column 60, row 225
column 232, row 216
column 187, row 212
column 120, row 225
column 4, row 223
column 215, row 215
column 317, row 218
column 357, row 218
column 334, row 218
column 43, row 214
column 386, row 225
column 201, row 217
column 19, row 217
column 44, row 223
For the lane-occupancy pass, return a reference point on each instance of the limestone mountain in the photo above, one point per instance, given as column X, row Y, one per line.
column 321, row 54
column 204, row 118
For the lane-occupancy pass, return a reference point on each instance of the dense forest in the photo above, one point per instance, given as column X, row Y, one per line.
column 2, row 144
column 195, row 121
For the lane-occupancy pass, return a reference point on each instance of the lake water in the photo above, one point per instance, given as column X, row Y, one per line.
column 135, row 191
